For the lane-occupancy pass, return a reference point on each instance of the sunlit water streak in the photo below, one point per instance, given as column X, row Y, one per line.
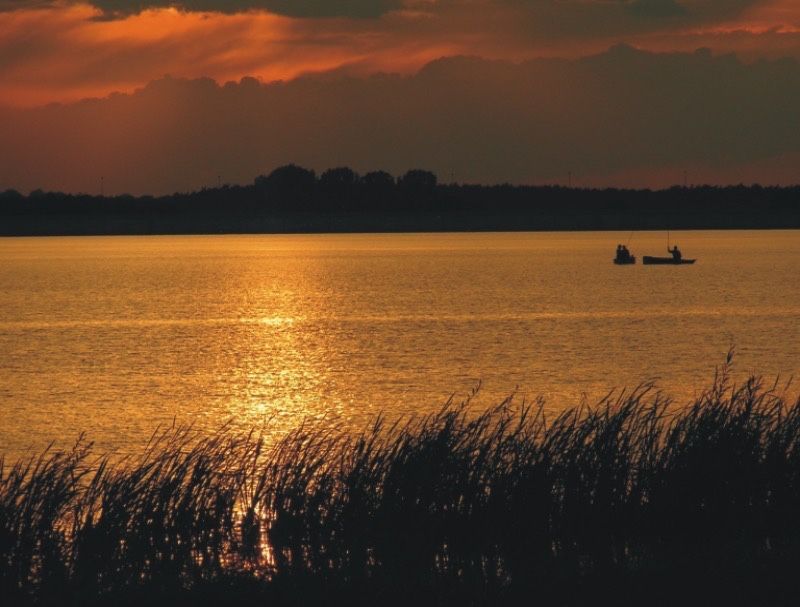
column 114, row 336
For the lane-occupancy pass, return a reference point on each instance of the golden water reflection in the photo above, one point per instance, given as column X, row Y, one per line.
column 114, row 336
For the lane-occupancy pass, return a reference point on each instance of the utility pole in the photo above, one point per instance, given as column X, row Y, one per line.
column 569, row 179
column 102, row 186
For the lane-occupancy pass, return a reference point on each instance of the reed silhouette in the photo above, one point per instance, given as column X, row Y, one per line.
column 631, row 501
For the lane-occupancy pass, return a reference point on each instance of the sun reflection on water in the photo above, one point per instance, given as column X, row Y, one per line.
column 115, row 336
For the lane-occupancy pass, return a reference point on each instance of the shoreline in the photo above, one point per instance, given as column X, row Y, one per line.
column 358, row 207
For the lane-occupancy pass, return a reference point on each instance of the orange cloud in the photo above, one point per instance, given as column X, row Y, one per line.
column 66, row 54
column 69, row 51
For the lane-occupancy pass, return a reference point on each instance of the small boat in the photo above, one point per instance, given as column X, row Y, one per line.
column 624, row 257
column 676, row 258
column 665, row 261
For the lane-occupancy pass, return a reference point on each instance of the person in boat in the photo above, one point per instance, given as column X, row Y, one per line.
column 676, row 253
column 623, row 254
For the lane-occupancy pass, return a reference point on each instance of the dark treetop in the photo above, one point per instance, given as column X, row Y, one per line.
column 294, row 199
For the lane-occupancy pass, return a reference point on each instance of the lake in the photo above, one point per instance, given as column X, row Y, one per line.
column 117, row 335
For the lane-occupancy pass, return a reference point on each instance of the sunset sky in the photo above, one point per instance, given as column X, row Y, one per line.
column 619, row 92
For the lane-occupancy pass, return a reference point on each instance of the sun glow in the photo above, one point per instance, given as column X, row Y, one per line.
column 67, row 51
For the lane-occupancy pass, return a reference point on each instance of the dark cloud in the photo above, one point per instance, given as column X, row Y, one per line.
column 10, row 5
column 549, row 20
column 66, row 54
column 657, row 8
column 605, row 118
column 568, row 9
column 292, row 8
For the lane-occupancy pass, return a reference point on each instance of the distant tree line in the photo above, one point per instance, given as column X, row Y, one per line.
column 291, row 188
column 295, row 199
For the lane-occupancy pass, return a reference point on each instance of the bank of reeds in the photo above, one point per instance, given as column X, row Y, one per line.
column 632, row 501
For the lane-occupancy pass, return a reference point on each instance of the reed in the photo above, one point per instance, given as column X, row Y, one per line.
column 632, row 500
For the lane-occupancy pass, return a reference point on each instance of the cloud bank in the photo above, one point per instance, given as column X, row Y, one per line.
column 69, row 51
column 294, row 8
column 622, row 117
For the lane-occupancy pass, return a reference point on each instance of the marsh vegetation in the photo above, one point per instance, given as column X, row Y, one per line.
column 632, row 500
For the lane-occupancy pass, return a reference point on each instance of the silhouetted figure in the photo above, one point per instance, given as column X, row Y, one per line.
column 676, row 254
column 624, row 255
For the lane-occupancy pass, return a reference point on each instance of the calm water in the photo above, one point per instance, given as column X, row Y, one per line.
column 114, row 336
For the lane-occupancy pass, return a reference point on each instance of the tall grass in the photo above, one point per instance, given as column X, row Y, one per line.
column 632, row 500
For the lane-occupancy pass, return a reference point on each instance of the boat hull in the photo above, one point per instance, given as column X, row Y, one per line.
column 625, row 262
column 665, row 261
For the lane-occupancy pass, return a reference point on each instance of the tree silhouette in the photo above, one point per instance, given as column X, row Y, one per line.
column 287, row 184
column 378, row 191
column 341, row 177
column 378, row 180
column 337, row 189
column 417, row 180
column 290, row 198
column 418, row 189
